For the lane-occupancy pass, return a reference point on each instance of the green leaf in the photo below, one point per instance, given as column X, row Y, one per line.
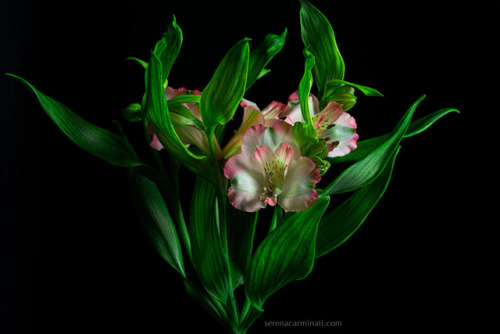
column 139, row 61
column 167, row 49
column 241, row 230
column 223, row 94
column 132, row 113
column 102, row 143
column 368, row 91
column 339, row 224
column 285, row 255
column 369, row 168
column 318, row 36
column 156, row 111
column 262, row 55
column 156, row 219
column 209, row 259
column 305, row 87
column 365, row 147
column 423, row 123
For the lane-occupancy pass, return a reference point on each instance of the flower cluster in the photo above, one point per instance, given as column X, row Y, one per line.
column 264, row 163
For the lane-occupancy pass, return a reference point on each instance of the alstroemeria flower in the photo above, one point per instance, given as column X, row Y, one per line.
column 270, row 170
column 252, row 115
column 333, row 125
column 188, row 134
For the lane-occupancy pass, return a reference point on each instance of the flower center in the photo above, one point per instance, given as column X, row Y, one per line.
column 322, row 122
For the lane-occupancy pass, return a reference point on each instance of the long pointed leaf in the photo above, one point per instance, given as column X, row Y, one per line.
column 369, row 168
column 224, row 92
column 156, row 111
column 102, row 143
column 285, row 255
column 305, row 86
column 167, row 49
column 262, row 55
column 318, row 36
column 209, row 259
column 339, row 224
column 417, row 126
column 156, row 219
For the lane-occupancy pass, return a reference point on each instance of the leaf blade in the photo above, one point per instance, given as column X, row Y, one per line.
column 369, row 168
column 209, row 259
column 156, row 219
column 224, row 92
column 318, row 36
column 99, row 142
column 285, row 255
column 340, row 224
column 262, row 55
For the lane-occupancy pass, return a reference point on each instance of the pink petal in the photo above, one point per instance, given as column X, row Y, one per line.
column 293, row 111
column 170, row 92
column 259, row 135
column 155, row 143
column 298, row 193
column 285, row 131
column 249, row 104
column 247, row 182
column 342, row 137
column 272, row 111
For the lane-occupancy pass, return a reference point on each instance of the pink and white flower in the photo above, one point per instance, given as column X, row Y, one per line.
column 252, row 115
column 270, row 170
column 333, row 125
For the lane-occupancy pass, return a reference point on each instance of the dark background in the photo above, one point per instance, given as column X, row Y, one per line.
column 74, row 257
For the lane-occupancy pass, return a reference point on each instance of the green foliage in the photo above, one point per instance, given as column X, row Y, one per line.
column 365, row 147
column 223, row 94
column 209, row 256
column 167, row 49
column 262, row 55
column 318, row 37
column 305, row 86
column 369, row 168
column 156, row 111
column 285, row 255
column 156, row 219
column 339, row 224
column 100, row 142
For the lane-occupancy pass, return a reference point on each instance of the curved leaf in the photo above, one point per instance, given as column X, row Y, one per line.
column 339, row 224
column 156, row 219
column 262, row 55
column 365, row 147
column 305, row 86
column 156, row 111
column 224, row 92
column 368, row 91
column 318, row 36
column 167, row 49
column 285, row 255
column 102, row 143
column 369, row 168
column 209, row 259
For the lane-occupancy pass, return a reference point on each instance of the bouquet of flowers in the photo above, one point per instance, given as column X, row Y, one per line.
column 276, row 157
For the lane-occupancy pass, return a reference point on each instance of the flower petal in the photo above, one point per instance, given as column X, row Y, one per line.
column 341, row 137
column 293, row 112
column 259, row 135
column 271, row 112
column 155, row 143
column 285, row 131
column 298, row 193
column 170, row 92
column 247, row 182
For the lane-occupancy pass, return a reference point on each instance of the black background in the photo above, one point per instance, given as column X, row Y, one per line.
column 74, row 257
